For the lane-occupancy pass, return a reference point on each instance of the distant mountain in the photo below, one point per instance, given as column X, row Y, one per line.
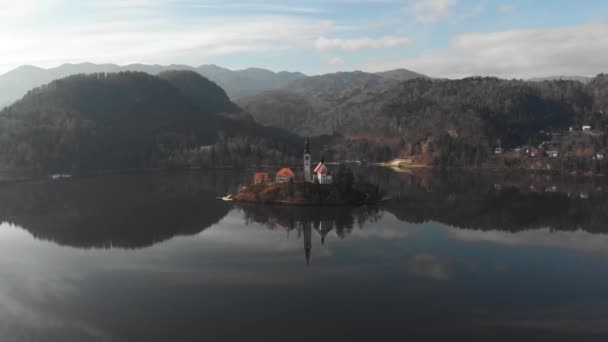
column 583, row 79
column 249, row 81
column 400, row 74
column 130, row 120
column 237, row 83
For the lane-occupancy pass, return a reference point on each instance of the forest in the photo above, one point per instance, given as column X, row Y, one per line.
column 126, row 120
column 180, row 119
column 443, row 122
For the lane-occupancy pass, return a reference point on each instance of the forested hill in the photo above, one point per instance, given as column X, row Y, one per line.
column 420, row 115
column 237, row 83
column 205, row 94
column 128, row 120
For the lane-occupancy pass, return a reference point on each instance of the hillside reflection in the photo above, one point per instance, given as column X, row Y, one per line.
column 498, row 202
column 508, row 209
column 136, row 211
column 117, row 211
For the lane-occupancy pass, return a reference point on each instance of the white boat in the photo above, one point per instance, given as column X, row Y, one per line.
column 227, row 198
column 57, row 176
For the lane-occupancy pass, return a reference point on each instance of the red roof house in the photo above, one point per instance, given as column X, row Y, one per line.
column 261, row 177
column 285, row 175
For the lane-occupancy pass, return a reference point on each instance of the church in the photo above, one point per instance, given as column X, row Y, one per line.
column 320, row 173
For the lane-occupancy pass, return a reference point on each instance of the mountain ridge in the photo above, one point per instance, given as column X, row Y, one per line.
column 237, row 83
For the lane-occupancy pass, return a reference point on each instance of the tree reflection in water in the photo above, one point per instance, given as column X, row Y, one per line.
column 323, row 220
column 136, row 211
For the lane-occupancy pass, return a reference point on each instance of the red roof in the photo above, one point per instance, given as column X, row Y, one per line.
column 285, row 172
column 261, row 176
column 322, row 169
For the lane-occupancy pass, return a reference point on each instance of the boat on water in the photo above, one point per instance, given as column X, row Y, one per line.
column 58, row 176
column 227, row 198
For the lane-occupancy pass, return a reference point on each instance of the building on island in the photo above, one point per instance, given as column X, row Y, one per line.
column 322, row 173
column 261, row 177
column 307, row 161
column 284, row 175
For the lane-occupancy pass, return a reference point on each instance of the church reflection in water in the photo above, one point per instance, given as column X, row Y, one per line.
column 322, row 228
column 137, row 211
column 308, row 220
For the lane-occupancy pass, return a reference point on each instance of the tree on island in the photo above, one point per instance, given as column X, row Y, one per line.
column 344, row 178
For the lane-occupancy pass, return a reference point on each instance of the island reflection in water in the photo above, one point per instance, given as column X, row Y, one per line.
column 157, row 257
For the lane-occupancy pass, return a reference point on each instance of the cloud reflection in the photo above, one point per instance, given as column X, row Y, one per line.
column 579, row 240
column 428, row 266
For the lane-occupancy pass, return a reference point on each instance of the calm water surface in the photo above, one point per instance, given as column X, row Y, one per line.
column 157, row 258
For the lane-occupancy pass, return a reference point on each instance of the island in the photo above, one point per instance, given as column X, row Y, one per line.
column 309, row 194
column 312, row 187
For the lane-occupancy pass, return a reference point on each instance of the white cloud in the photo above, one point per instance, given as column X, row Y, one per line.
column 127, row 3
column 157, row 41
column 335, row 61
column 244, row 6
column 575, row 50
column 506, row 9
column 15, row 10
column 323, row 43
column 430, row 11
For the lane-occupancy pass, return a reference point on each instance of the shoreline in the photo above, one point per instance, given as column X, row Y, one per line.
column 308, row 194
column 405, row 167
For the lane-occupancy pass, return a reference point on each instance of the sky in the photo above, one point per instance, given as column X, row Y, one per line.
column 440, row 38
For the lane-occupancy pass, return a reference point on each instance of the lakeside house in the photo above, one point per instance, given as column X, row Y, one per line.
column 586, row 128
column 553, row 154
column 285, row 175
column 261, row 177
column 498, row 150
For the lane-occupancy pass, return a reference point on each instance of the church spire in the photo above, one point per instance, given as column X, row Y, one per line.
column 307, row 161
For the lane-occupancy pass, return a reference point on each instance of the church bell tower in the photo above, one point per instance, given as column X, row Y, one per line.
column 307, row 161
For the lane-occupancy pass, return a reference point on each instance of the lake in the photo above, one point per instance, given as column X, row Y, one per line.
column 155, row 257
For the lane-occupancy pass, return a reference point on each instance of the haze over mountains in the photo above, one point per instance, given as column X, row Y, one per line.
column 237, row 83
